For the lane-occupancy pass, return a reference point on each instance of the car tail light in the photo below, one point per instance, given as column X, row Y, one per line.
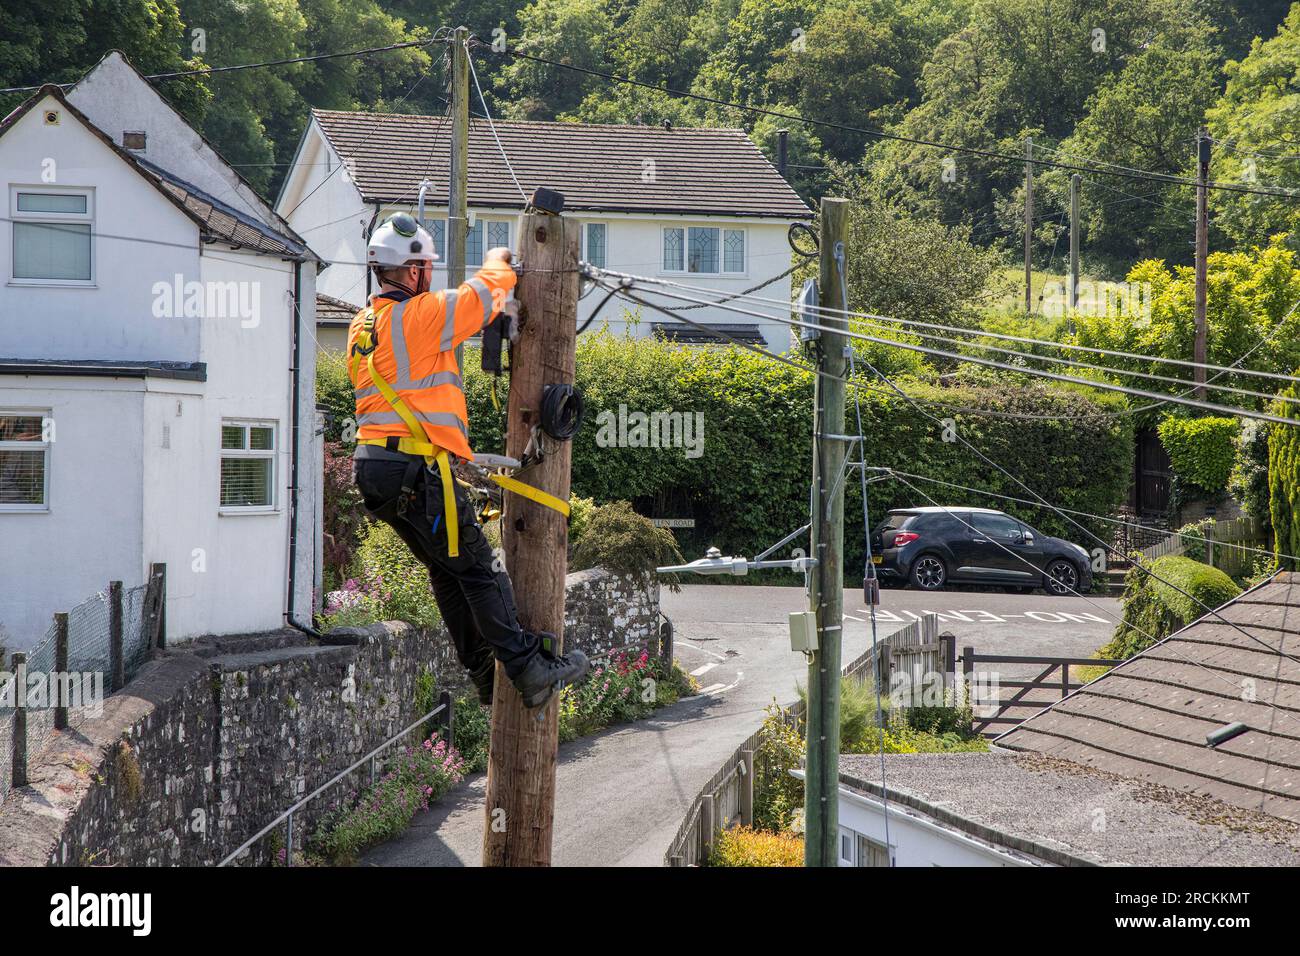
column 905, row 537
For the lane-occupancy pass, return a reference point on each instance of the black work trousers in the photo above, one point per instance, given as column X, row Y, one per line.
column 472, row 590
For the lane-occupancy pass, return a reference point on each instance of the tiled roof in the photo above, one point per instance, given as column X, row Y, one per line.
column 604, row 167
column 332, row 311
column 222, row 223
column 1149, row 717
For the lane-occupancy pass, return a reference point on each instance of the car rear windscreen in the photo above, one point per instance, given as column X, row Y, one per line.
column 895, row 520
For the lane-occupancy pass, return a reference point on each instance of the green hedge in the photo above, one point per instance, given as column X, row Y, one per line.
column 1201, row 450
column 750, row 485
column 1153, row 609
column 1284, row 480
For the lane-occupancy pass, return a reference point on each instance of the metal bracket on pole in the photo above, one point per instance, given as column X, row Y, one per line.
column 715, row 563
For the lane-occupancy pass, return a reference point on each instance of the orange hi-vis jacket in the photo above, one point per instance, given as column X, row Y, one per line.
column 415, row 353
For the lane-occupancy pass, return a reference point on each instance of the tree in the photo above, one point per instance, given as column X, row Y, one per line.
column 1145, row 117
column 575, row 32
column 1018, row 68
column 1256, row 138
column 257, row 115
column 1284, row 482
column 58, row 41
column 1250, row 300
column 909, row 268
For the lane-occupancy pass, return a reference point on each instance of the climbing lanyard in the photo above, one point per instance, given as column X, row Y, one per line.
column 418, row 444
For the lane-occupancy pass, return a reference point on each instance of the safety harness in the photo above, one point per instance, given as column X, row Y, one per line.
column 420, row 446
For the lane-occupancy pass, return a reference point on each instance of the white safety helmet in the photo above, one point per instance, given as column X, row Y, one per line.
column 399, row 241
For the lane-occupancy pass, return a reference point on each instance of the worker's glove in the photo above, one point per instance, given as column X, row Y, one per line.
column 510, row 315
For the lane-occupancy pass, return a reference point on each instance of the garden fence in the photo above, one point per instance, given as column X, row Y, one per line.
column 93, row 649
column 1231, row 545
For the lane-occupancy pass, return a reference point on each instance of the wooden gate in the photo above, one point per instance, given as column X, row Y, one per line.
column 992, row 714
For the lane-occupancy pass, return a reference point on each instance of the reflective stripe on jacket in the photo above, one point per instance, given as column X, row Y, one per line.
column 416, row 341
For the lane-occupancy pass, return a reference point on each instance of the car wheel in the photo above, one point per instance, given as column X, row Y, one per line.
column 929, row 573
column 1062, row 578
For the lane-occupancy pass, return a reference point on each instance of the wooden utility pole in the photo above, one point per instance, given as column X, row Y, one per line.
column 1029, row 225
column 457, row 202
column 521, row 762
column 822, row 773
column 1074, row 243
column 1202, row 253
column 782, row 152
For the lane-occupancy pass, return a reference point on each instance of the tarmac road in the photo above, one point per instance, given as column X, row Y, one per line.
column 622, row 794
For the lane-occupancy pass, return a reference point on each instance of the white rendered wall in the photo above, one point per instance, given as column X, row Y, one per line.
column 112, row 317
column 917, row 840
column 91, row 531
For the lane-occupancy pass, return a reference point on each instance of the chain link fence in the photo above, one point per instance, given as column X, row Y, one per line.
column 96, row 635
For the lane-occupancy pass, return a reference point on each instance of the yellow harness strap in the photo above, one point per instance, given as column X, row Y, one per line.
column 418, row 443
column 531, row 493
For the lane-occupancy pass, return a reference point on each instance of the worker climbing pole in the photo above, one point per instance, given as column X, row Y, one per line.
column 541, row 414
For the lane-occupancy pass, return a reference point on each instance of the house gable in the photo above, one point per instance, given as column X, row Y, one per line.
column 136, row 235
column 118, row 99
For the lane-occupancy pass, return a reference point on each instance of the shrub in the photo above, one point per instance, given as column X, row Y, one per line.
column 614, row 692
column 777, row 795
column 1153, row 609
column 580, row 512
column 1201, row 450
column 391, row 585
column 472, row 731
column 907, row 730
column 1193, row 535
column 334, row 393
column 743, row 846
column 858, row 707
column 1249, row 480
column 344, row 517
column 411, row 781
column 618, row 538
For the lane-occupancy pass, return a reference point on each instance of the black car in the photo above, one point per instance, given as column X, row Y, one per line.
column 929, row 548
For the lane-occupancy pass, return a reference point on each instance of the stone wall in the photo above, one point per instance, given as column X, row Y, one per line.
column 214, row 739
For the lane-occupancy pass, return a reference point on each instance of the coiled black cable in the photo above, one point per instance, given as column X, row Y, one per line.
column 562, row 411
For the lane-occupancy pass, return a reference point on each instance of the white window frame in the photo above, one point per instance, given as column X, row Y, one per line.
column 87, row 218
column 273, row 454
column 45, row 415
column 486, row 221
column 686, row 227
column 601, row 222
column 854, row 839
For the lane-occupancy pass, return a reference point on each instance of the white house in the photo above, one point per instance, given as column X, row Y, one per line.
column 156, row 370
column 698, row 206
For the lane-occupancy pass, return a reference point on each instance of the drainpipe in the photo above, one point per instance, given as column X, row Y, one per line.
column 290, row 614
column 369, row 231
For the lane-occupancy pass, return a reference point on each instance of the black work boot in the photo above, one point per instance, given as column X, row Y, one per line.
column 484, row 677
column 546, row 672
